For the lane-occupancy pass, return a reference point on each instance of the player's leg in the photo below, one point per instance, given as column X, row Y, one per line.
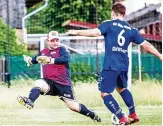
column 107, row 85
column 82, row 109
column 126, row 96
column 66, row 94
column 41, row 86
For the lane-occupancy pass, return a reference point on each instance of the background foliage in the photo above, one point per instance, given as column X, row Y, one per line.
column 81, row 72
column 11, row 47
column 57, row 12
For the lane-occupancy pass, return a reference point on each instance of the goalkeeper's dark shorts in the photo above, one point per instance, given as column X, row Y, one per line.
column 63, row 91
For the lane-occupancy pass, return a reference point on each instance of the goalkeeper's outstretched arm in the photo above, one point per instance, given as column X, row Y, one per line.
column 64, row 58
column 30, row 60
column 34, row 59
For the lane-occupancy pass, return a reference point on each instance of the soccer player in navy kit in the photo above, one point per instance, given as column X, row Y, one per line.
column 56, row 77
column 118, row 34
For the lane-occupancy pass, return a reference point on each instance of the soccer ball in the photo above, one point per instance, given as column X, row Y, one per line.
column 114, row 120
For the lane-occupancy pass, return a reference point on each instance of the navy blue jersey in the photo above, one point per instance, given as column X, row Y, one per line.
column 59, row 71
column 118, row 35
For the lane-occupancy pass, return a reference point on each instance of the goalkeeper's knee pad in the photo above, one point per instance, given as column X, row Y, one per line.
column 44, row 87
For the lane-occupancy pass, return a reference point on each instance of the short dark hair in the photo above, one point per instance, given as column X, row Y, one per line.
column 119, row 8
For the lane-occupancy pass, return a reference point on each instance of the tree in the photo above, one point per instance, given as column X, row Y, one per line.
column 59, row 11
column 11, row 48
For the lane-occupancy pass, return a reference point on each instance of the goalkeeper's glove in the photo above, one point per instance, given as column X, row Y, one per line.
column 28, row 60
column 45, row 60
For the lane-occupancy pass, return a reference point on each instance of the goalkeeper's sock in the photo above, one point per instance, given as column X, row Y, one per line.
column 128, row 99
column 113, row 106
column 34, row 94
column 86, row 112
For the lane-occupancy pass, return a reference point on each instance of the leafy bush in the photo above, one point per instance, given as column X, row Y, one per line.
column 145, row 75
column 8, row 44
column 81, row 72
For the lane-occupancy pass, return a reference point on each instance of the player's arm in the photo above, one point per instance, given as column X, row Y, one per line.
column 90, row 32
column 30, row 60
column 63, row 59
column 138, row 39
column 151, row 49
column 101, row 30
column 34, row 59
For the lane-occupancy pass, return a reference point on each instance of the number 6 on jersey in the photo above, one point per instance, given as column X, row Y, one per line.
column 121, row 39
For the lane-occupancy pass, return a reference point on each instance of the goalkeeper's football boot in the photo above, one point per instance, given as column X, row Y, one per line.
column 25, row 102
column 133, row 118
column 96, row 118
column 124, row 121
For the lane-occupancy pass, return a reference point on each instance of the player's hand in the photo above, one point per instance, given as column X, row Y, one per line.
column 43, row 59
column 72, row 32
column 28, row 60
column 160, row 57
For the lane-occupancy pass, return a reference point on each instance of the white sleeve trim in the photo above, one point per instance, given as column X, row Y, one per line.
column 52, row 61
column 98, row 30
column 142, row 42
column 106, row 21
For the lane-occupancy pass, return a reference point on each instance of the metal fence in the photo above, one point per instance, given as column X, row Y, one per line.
column 150, row 66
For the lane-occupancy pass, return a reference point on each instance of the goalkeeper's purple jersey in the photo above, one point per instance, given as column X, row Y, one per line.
column 59, row 71
column 118, row 35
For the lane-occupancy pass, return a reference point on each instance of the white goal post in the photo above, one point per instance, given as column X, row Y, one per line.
column 82, row 52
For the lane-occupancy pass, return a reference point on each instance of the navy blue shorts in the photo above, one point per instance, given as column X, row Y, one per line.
column 63, row 91
column 109, row 80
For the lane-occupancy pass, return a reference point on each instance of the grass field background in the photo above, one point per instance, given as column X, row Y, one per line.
column 50, row 110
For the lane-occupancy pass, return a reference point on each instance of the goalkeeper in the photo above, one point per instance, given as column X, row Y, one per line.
column 56, row 77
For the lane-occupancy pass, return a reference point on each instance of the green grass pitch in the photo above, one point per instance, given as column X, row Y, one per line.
column 50, row 111
column 149, row 115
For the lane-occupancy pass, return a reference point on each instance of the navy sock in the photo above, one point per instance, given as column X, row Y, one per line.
column 128, row 99
column 113, row 106
column 86, row 112
column 34, row 94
